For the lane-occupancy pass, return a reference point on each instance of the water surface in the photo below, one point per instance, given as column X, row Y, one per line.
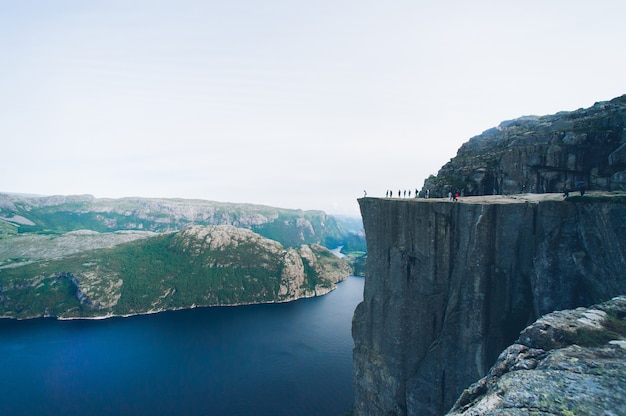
column 280, row 359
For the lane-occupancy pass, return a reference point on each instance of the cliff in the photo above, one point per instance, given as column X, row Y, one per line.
column 450, row 285
column 542, row 154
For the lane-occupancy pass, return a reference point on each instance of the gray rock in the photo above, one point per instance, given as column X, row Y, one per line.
column 450, row 285
column 569, row 362
column 541, row 154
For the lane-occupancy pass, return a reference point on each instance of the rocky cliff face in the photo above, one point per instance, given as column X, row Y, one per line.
column 569, row 362
column 450, row 285
column 542, row 154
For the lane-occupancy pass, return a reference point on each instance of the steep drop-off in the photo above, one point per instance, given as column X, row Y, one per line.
column 450, row 285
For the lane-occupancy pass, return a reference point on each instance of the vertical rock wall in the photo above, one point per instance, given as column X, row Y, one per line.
column 450, row 285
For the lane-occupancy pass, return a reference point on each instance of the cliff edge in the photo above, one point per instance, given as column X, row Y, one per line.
column 450, row 285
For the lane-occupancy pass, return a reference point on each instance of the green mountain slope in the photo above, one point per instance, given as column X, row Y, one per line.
column 199, row 266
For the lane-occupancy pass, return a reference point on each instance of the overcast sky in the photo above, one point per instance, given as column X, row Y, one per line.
column 295, row 104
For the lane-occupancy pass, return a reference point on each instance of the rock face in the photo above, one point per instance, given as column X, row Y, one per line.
column 450, row 285
column 542, row 154
column 569, row 362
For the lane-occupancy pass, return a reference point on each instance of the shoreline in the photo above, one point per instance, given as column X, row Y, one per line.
column 317, row 293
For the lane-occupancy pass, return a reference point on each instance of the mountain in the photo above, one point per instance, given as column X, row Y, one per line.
column 551, row 153
column 59, row 214
column 198, row 266
column 80, row 256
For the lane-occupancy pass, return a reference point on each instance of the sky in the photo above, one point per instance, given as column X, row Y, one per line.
column 287, row 103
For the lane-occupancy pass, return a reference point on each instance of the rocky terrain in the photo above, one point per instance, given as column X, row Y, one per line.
column 198, row 266
column 570, row 362
column 539, row 154
column 449, row 285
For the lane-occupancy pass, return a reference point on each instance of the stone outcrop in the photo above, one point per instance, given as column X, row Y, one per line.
column 542, row 154
column 450, row 285
column 569, row 362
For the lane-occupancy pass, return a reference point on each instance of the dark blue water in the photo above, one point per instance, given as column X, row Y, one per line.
column 282, row 359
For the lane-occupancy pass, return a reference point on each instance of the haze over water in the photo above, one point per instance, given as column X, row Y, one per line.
column 277, row 359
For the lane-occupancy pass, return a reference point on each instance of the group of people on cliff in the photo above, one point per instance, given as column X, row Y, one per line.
column 452, row 196
column 405, row 193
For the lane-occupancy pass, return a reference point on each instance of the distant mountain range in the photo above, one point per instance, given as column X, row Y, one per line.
column 79, row 256
column 58, row 214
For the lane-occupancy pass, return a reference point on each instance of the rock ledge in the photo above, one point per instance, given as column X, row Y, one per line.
column 569, row 362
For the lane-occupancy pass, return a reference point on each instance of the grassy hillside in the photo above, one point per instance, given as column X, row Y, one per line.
column 200, row 266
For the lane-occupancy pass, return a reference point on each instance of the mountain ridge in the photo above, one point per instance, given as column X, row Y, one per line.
column 62, row 213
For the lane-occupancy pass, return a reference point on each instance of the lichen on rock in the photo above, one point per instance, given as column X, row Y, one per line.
column 568, row 363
